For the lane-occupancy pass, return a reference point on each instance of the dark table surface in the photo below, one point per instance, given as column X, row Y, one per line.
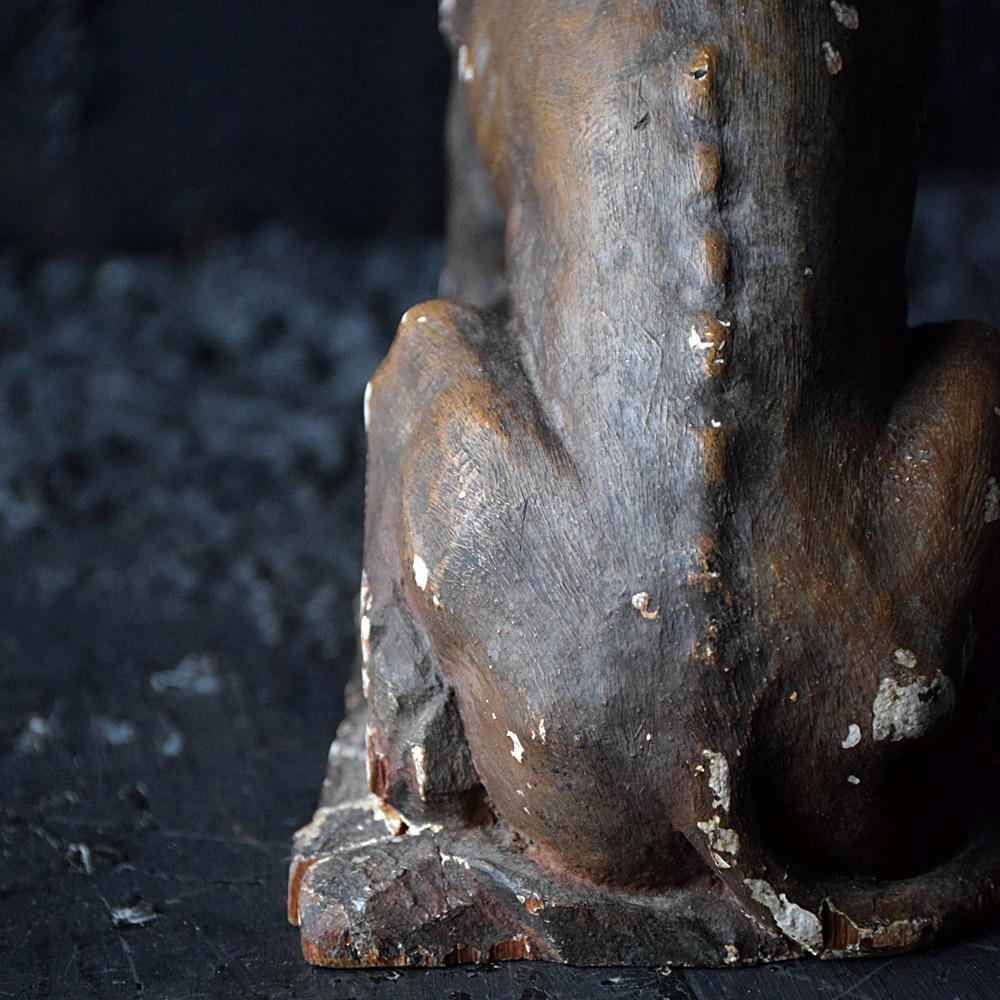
column 180, row 496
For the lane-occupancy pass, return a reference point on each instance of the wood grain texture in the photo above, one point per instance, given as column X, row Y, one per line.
column 679, row 551
column 192, row 816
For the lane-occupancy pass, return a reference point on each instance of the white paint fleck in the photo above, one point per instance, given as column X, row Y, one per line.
column 992, row 500
column 718, row 778
column 454, row 859
column 846, row 14
column 357, row 859
column 494, row 714
column 732, row 954
column 395, row 822
column 853, row 737
column 367, row 409
column 853, row 779
column 518, row 752
column 716, row 423
column 719, row 838
column 726, row 323
column 541, row 729
column 420, row 572
column 834, row 61
column 421, row 319
column 640, row 602
column 418, row 754
column 697, row 343
column 466, row 71
column 905, row 658
column 365, row 629
column 649, row 736
column 794, row 921
column 908, row 711
column 720, row 861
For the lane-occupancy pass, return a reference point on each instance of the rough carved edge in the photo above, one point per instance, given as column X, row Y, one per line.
column 369, row 888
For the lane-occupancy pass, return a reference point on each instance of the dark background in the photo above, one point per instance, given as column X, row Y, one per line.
column 130, row 123
column 212, row 215
column 135, row 123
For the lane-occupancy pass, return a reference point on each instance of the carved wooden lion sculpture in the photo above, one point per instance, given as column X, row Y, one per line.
column 679, row 617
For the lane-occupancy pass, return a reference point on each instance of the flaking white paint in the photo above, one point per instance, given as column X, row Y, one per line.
column 420, row 573
column 720, row 839
column 908, row 711
column 418, row 754
column 853, row 737
column 718, row 778
column 794, row 921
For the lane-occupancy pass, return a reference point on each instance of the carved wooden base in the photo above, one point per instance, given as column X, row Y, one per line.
column 367, row 888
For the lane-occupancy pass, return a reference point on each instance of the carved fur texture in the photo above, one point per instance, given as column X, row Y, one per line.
column 681, row 549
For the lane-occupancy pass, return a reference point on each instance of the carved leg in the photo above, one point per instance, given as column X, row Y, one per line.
column 462, row 444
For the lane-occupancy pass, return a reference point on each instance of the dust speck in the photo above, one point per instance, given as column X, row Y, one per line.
column 197, row 673
column 135, row 913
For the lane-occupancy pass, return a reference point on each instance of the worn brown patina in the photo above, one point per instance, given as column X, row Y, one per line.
column 679, row 618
